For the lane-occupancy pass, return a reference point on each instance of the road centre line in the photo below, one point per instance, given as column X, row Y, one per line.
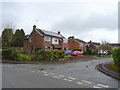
column 96, row 87
column 52, row 73
column 79, row 82
column 43, row 72
column 72, row 78
column 46, row 74
column 61, row 76
column 67, row 80
column 56, row 77
column 103, row 85
column 88, row 82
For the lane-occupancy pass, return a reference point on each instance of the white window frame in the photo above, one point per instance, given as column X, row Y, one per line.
column 46, row 38
column 30, row 39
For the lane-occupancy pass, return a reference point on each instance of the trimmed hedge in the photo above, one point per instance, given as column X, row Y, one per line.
column 48, row 54
column 116, row 55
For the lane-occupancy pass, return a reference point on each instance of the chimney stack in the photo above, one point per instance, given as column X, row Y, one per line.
column 58, row 32
column 34, row 27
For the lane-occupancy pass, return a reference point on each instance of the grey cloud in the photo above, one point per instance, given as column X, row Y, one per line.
column 75, row 25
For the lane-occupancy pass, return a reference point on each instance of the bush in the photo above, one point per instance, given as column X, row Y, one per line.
column 48, row 55
column 116, row 55
column 22, row 57
column 85, row 53
column 37, row 49
column 95, row 52
column 76, row 49
column 6, row 53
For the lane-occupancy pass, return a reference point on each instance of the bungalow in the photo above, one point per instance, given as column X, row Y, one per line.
column 46, row 40
column 76, row 43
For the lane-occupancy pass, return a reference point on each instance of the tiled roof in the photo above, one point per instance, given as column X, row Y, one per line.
column 50, row 33
column 79, row 40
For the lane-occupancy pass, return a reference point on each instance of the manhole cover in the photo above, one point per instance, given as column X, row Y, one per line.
column 41, row 69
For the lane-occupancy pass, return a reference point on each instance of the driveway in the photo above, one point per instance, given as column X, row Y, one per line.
column 80, row 74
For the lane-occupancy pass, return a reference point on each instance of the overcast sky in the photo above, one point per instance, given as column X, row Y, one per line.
column 95, row 20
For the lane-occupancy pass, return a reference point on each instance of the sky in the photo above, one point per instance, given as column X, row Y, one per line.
column 95, row 20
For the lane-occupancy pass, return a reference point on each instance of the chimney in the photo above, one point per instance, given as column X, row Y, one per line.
column 34, row 27
column 58, row 32
column 71, row 37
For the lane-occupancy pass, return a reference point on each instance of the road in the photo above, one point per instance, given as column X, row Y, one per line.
column 79, row 74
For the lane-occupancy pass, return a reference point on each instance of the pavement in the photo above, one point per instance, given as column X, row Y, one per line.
column 80, row 74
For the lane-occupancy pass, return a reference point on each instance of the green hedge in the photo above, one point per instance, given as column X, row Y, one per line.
column 12, row 54
column 48, row 54
column 116, row 55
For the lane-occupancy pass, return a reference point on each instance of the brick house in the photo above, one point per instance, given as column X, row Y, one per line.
column 76, row 43
column 46, row 40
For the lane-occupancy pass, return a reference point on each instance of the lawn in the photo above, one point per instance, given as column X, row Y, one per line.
column 68, row 56
column 114, row 67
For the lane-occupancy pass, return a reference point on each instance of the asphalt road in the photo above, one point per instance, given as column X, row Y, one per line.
column 80, row 74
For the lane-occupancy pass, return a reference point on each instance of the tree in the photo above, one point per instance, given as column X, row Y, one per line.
column 18, row 38
column 7, row 35
column 105, row 46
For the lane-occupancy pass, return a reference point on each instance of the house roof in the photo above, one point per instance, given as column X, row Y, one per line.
column 49, row 33
column 95, row 43
column 79, row 40
column 115, row 44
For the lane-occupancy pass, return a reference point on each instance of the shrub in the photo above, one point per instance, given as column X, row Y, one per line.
column 22, row 57
column 6, row 53
column 14, row 54
column 76, row 49
column 37, row 49
column 48, row 54
column 85, row 53
column 95, row 52
column 116, row 55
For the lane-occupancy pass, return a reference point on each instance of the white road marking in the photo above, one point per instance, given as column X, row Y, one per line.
column 96, row 87
column 79, row 82
column 67, row 80
column 43, row 72
column 103, row 85
column 56, row 77
column 9, row 66
column 72, row 78
column 88, row 82
column 52, row 73
column 61, row 75
column 33, row 71
column 46, row 74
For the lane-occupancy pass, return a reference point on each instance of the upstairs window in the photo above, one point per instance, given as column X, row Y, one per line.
column 46, row 38
column 30, row 39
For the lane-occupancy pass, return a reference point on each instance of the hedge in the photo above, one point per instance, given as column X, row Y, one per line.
column 48, row 54
column 12, row 54
column 116, row 55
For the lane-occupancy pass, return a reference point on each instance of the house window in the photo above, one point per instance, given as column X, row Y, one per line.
column 30, row 39
column 55, row 41
column 46, row 38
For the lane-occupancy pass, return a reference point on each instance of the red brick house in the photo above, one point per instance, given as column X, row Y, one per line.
column 76, row 43
column 46, row 40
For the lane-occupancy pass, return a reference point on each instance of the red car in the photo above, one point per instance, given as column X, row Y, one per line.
column 76, row 53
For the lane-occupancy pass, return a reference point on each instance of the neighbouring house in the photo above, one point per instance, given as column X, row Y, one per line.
column 75, row 43
column 43, row 39
column 114, row 45
column 93, row 45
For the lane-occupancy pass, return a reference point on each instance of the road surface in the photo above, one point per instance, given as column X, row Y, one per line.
column 80, row 74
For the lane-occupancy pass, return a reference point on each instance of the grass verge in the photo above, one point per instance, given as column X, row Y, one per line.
column 114, row 67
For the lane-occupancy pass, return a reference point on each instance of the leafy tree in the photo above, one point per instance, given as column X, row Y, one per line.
column 18, row 38
column 7, row 35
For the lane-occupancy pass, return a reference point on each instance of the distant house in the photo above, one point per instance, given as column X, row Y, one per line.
column 46, row 40
column 114, row 45
column 76, row 43
column 93, row 45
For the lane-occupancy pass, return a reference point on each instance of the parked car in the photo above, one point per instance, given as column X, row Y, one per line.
column 76, row 53
column 68, row 53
